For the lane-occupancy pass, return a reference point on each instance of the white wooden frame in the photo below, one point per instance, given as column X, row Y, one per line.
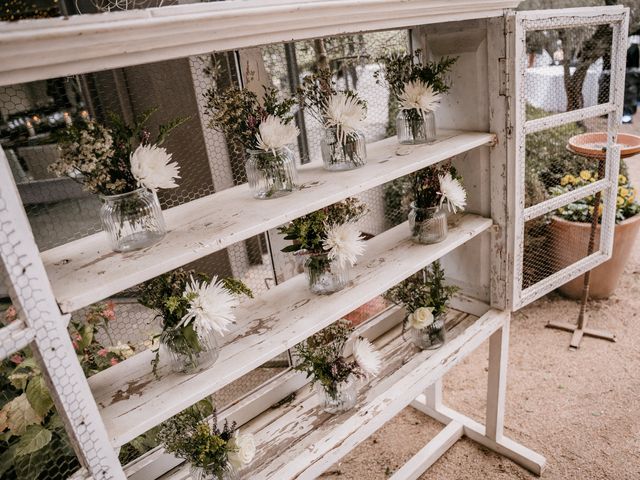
column 524, row 22
column 39, row 49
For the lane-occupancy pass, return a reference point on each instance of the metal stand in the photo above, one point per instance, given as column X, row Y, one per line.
column 581, row 329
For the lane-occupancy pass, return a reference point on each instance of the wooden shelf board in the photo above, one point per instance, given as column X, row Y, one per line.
column 299, row 440
column 85, row 271
column 133, row 401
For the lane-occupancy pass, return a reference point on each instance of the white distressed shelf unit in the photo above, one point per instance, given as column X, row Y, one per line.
column 86, row 271
column 297, row 440
column 132, row 401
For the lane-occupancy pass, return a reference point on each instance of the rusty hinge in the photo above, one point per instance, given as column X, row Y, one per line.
column 503, row 77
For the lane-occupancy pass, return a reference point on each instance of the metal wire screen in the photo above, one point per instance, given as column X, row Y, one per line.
column 566, row 69
column 60, row 211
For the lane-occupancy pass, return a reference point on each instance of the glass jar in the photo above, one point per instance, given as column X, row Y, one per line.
column 346, row 155
column 340, row 397
column 431, row 337
column 187, row 351
column 199, row 473
column 413, row 128
column 428, row 225
column 132, row 220
column 325, row 276
column 271, row 174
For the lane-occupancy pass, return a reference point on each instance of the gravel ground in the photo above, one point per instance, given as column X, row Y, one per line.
column 579, row 409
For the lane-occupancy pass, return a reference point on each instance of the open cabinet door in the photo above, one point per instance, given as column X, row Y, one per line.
column 569, row 80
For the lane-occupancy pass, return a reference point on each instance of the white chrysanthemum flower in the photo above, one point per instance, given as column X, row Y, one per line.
column 242, row 450
column 421, row 318
column 452, row 192
column 367, row 357
column 153, row 169
column 122, row 349
column 274, row 134
column 419, row 96
column 210, row 306
column 346, row 113
column 343, row 243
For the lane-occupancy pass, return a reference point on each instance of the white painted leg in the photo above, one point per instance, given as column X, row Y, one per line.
column 433, row 395
column 430, row 453
column 497, row 383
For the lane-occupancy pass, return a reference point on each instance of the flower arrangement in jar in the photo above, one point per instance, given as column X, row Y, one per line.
column 333, row 375
column 214, row 453
column 264, row 128
column 329, row 241
column 125, row 167
column 425, row 298
column 342, row 113
column 194, row 309
column 418, row 87
column 432, row 189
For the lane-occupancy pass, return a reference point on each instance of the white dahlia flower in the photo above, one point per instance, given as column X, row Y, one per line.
column 346, row 113
column 367, row 357
column 153, row 169
column 210, row 306
column 452, row 192
column 274, row 134
column 344, row 243
column 419, row 96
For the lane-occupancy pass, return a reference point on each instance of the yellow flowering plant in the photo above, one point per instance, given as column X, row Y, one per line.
column 582, row 210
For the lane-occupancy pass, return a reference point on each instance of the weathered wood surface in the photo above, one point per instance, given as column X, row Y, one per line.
column 86, row 270
column 303, row 441
column 132, row 400
column 38, row 49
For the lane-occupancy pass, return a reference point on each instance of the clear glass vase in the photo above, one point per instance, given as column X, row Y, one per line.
column 271, row 174
column 189, row 352
column 132, row 220
column 428, row 225
column 431, row 337
column 340, row 397
column 413, row 128
column 199, row 473
column 325, row 276
column 346, row 155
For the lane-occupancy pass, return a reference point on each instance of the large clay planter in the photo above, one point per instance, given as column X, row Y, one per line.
column 569, row 243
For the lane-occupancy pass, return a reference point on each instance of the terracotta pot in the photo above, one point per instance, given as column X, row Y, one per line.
column 569, row 243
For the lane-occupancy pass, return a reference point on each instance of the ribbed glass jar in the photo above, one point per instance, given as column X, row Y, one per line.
column 189, row 353
column 428, row 225
column 340, row 398
column 325, row 276
column 343, row 155
column 413, row 128
column 199, row 473
column 271, row 174
column 132, row 220
column 431, row 337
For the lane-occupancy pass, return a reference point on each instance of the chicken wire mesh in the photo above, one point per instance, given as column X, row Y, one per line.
column 60, row 211
column 566, row 67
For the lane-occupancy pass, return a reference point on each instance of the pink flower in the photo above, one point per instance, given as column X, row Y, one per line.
column 17, row 359
column 113, row 361
column 75, row 345
column 10, row 314
column 109, row 311
column 102, row 352
column 78, row 337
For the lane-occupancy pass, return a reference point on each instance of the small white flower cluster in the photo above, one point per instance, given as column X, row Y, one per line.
column 274, row 134
column 210, row 307
column 346, row 113
column 421, row 318
column 452, row 193
column 344, row 243
column 152, row 167
column 242, row 449
column 419, row 96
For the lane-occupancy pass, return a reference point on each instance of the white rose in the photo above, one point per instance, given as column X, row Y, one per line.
column 243, row 449
column 421, row 318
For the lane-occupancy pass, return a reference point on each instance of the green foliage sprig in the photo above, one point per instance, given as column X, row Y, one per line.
column 321, row 357
column 399, row 68
column 308, row 233
column 194, row 435
column 425, row 288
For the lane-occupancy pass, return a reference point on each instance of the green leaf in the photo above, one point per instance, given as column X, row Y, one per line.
column 291, row 248
column 6, row 459
column 34, row 438
column 38, row 396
